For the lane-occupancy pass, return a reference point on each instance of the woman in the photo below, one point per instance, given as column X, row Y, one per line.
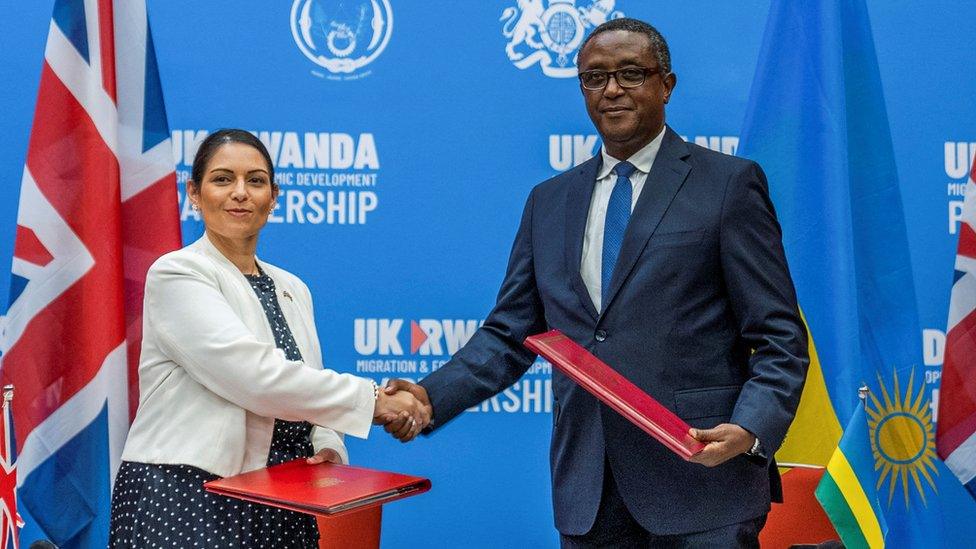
column 231, row 375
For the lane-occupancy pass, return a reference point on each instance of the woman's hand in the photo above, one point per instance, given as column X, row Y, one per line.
column 401, row 405
column 325, row 455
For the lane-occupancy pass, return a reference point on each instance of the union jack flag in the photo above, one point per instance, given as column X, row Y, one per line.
column 956, row 428
column 10, row 520
column 98, row 205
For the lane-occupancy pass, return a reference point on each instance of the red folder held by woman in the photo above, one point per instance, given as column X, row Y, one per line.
column 325, row 489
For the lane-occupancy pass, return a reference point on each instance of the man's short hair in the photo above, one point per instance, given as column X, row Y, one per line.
column 628, row 24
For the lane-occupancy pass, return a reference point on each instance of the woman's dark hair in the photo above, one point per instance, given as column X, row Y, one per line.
column 221, row 137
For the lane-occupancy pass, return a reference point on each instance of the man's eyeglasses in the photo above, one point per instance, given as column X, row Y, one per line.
column 627, row 77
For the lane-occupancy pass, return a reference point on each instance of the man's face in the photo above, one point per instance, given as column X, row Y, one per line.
column 627, row 118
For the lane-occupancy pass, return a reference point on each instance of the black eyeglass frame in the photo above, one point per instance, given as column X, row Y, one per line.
column 645, row 73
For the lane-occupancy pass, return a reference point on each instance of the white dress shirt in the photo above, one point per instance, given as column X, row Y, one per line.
column 591, row 265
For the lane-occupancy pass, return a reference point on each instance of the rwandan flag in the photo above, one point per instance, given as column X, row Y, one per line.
column 856, row 513
column 817, row 124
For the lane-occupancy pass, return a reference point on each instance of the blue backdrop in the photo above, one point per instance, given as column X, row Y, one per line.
column 407, row 135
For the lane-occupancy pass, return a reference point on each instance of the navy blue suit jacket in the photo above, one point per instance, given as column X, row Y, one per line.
column 701, row 314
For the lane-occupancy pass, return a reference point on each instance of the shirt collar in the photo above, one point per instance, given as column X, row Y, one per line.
column 642, row 159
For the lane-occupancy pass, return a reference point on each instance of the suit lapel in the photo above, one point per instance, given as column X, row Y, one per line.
column 578, row 199
column 667, row 175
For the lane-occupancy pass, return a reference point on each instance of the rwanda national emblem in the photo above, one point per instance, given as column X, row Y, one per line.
column 342, row 36
column 551, row 35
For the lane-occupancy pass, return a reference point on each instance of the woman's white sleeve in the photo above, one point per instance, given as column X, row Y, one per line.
column 197, row 328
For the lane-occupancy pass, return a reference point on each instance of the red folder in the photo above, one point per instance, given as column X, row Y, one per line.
column 323, row 489
column 615, row 391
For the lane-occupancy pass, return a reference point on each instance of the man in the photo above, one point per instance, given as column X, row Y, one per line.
column 665, row 260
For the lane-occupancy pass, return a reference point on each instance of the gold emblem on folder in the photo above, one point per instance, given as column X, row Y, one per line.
column 326, row 482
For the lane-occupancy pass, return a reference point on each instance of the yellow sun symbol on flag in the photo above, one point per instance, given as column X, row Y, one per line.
column 902, row 438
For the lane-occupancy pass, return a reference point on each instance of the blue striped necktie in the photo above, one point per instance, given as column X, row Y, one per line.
column 618, row 213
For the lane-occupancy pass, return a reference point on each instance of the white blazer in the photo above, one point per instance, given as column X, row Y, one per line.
column 211, row 380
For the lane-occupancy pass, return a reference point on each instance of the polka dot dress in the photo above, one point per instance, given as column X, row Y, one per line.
column 165, row 506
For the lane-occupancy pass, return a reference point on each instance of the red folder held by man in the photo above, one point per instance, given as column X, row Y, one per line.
column 615, row 391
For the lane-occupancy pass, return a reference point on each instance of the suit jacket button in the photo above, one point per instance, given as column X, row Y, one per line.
column 601, row 335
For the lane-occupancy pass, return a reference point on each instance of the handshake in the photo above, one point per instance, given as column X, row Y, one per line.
column 403, row 409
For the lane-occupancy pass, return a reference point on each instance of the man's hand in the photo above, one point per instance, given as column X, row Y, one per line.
column 325, row 455
column 722, row 443
column 401, row 428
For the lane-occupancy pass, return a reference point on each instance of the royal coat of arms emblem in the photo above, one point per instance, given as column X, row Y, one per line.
column 551, row 35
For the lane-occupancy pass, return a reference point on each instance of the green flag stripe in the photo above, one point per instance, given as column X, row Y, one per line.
column 835, row 505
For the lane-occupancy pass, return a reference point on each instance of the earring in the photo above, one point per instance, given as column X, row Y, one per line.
column 196, row 207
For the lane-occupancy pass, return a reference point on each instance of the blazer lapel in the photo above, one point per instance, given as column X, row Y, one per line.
column 667, row 175
column 578, row 199
column 240, row 293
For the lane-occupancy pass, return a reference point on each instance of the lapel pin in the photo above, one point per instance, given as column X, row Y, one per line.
column 286, row 294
